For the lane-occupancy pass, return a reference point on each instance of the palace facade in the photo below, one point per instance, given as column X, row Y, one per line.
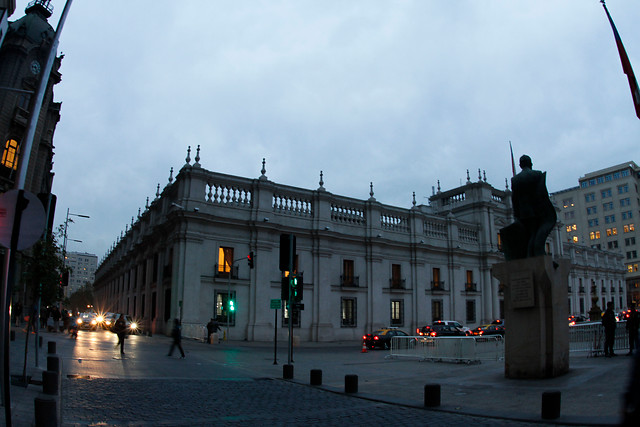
column 364, row 264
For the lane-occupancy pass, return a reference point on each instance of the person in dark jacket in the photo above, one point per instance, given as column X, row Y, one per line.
column 609, row 323
column 632, row 328
column 212, row 328
column 176, row 334
column 120, row 328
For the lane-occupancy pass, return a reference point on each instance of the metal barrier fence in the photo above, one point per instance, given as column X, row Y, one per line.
column 454, row 349
column 583, row 337
column 589, row 337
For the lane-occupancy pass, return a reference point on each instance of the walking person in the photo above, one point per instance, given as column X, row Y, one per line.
column 632, row 328
column 212, row 328
column 120, row 328
column 176, row 334
column 609, row 323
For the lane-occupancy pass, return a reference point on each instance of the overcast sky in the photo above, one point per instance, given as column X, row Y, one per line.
column 400, row 93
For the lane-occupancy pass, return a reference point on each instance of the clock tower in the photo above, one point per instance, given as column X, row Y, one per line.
column 23, row 53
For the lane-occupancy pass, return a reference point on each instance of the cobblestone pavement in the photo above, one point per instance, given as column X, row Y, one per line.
column 179, row 402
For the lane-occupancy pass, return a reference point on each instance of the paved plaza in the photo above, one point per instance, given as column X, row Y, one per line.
column 237, row 383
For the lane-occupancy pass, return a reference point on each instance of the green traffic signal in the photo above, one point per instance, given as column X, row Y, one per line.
column 231, row 306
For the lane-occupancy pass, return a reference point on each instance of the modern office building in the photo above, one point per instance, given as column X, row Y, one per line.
column 83, row 270
column 364, row 264
column 602, row 212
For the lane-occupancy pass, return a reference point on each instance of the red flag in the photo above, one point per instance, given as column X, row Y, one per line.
column 626, row 65
column 513, row 162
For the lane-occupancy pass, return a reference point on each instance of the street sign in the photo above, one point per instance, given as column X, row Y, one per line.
column 276, row 304
column 32, row 220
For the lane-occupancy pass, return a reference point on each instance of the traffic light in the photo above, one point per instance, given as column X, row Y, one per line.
column 296, row 288
column 65, row 278
column 250, row 258
column 232, row 307
column 287, row 250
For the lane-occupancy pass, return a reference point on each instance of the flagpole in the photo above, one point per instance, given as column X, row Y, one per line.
column 513, row 162
column 626, row 64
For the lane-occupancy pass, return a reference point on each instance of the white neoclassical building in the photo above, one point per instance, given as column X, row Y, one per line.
column 364, row 264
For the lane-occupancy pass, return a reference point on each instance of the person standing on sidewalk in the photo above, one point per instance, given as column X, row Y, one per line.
column 176, row 334
column 609, row 323
column 632, row 328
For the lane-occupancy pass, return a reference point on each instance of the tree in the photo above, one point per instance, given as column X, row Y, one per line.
column 43, row 271
column 80, row 299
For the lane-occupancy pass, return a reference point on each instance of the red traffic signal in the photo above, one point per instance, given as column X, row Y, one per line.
column 250, row 258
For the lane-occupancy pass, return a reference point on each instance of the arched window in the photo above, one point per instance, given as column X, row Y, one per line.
column 10, row 154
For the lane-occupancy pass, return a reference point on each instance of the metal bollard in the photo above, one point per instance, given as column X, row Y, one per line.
column 51, row 347
column 53, row 363
column 315, row 377
column 287, row 372
column 350, row 383
column 431, row 395
column 551, row 405
column 46, row 413
column 50, row 382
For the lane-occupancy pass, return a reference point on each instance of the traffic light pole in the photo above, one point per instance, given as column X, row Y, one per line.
column 289, row 305
column 226, row 337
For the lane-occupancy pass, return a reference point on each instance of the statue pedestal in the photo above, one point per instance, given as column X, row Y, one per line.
column 536, row 311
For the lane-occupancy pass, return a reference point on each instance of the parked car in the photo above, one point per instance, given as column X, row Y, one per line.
column 87, row 321
column 443, row 330
column 455, row 324
column 382, row 338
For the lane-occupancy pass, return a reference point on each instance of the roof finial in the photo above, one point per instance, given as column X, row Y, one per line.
column 468, row 177
column 158, row 191
column 414, row 198
column 188, row 159
column 171, row 175
column 484, row 174
column 264, row 169
column 197, row 163
column 438, row 186
column 479, row 175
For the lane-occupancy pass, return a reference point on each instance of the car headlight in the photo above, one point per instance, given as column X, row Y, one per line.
column 79, row 321
column 100, row 319
column 133, row 325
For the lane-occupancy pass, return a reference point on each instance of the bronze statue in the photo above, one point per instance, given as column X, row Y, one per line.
column 534, row 213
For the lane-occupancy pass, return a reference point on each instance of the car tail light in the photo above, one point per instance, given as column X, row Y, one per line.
column 364, row 337
column 433, row 334
column 376, row 338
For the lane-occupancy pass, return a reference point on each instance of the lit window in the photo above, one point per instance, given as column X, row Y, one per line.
column 575, row 239
column 10, row 154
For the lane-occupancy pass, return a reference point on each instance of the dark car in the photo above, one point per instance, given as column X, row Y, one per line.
column 424, row 331
column 490, row 330
column 132, row 325
column 87, row 321
column 446, row 331
column 382, row 338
